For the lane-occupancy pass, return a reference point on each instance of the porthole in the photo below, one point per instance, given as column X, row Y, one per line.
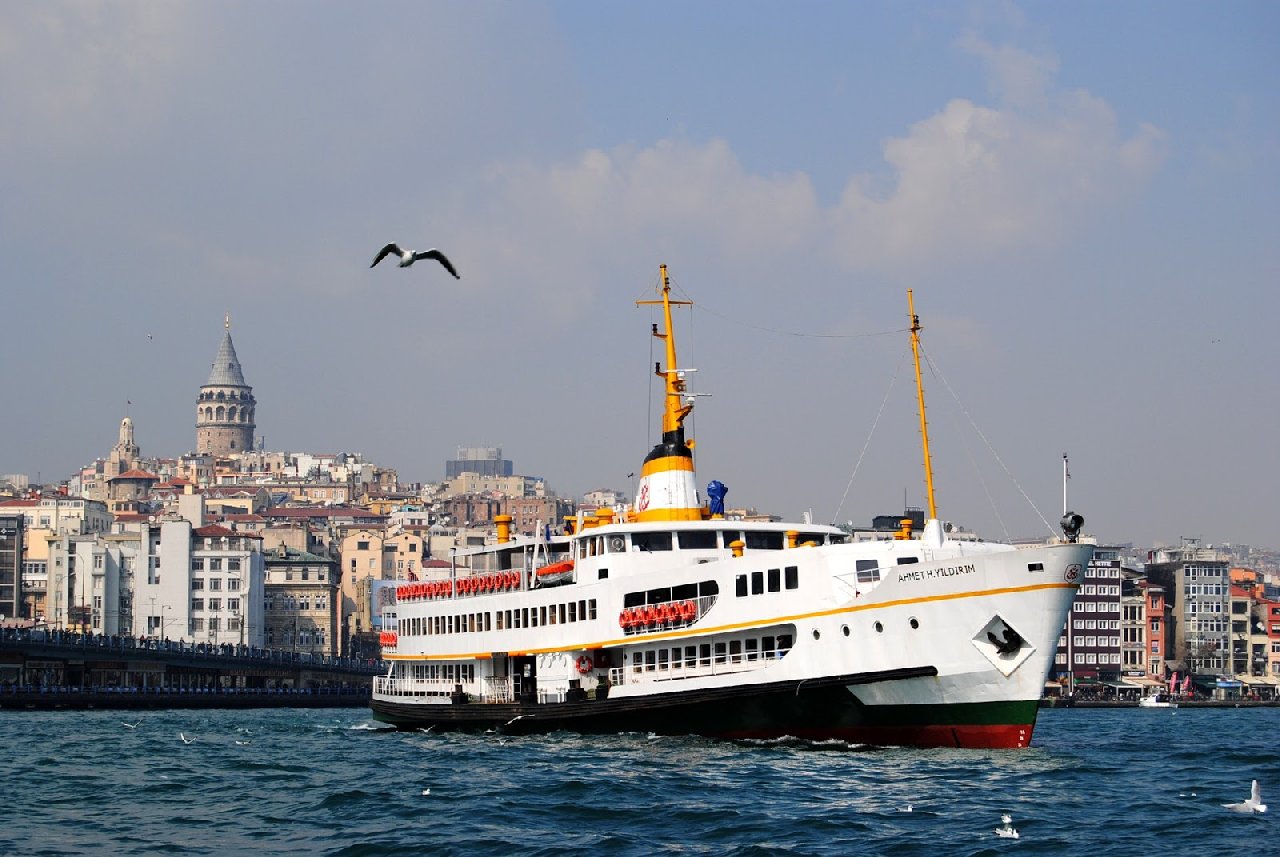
column 915, row 623
column 816, row 633
column 879, row 628
column 844, row 629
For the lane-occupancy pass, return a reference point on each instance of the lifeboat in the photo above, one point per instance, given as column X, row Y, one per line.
column 556, row 573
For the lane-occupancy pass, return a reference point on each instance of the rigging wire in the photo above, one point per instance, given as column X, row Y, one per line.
column 875, row 423
column 938, row 373
column 703, row 306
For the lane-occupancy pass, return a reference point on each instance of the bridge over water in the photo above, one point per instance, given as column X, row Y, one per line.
column 49, row 669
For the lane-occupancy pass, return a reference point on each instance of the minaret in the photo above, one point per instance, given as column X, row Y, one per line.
column 225, row 406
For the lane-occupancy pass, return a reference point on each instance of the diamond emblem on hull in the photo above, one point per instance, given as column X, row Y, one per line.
column 1001, row 644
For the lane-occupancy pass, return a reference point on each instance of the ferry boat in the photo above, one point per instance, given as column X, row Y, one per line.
column 666, row 617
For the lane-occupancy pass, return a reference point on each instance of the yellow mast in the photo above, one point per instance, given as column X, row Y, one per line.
column 674, row 412
column 924, row 425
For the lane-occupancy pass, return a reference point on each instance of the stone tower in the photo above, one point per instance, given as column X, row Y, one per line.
column 225, row 406
column 125, row 454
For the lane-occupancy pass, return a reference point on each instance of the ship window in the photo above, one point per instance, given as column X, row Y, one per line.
column 697, row 539
column 651, row 541
column 764, row 541
column 650, row 660
column 721, row 652
column 767, row 645
column 560, row 610
column 498, row 620
column 908, row 560
column 637, row 658
column 658, row 596
column 663, row 660
column 868, row 570
column 690, row 656
column 708, row 588
column 757, row 582
column 791, row 577
column 1035, row 566
column 775, row 580
column 591, row 607
column 741, row 583
column 753, row 646
column 602, row 574
column 735, row 651
column 728, row 537
column 805, row 538
column 543, row 611
column 633, row 599
column 704, row 654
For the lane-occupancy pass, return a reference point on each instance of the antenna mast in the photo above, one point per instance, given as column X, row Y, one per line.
column 924, row 425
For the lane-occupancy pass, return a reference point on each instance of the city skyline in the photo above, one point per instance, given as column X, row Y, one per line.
column 1082, row 207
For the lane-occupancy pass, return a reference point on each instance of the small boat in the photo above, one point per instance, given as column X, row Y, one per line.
column 1157, row 700
column 668, row 617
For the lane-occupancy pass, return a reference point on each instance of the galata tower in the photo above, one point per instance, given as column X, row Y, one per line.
column 224, row 408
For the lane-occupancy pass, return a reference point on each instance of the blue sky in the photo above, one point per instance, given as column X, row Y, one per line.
column 1082, row 196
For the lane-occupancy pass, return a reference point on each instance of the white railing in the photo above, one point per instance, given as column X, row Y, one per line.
column 497, row 689
column 417, row 687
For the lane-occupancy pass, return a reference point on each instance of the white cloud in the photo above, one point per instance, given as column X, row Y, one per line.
column 967, row 183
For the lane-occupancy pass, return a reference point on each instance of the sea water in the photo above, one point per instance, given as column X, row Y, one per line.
column 334, row 782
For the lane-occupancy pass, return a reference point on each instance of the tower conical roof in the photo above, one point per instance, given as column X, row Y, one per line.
column 226, row 366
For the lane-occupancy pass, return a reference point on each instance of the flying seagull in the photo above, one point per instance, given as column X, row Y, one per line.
column 185, row 739
column 408, row 257
column 130, row 725
column 1253, row 804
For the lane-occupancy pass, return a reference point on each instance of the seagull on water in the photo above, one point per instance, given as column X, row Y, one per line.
column 408, row 257
column 426, row 792
column 1008, row 831
column 1253, row 805
column 130, row 725
column 185, row 739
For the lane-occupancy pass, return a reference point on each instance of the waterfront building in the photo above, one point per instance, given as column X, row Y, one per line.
column 1157, row 630
column 1196, row 582
column 1089, row 649
column 359, row 560
column 301, row 602
column 11, row 556
column 225, row 406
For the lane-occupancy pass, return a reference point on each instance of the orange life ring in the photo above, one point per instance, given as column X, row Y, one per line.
column 585, row 664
